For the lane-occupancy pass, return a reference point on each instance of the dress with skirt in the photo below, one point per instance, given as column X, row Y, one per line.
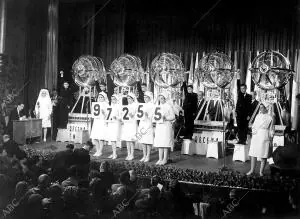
column 164, row 133
column 145, row 134
column 114, row 125
column 99, row 129
column 262, row 132
column 129, row 128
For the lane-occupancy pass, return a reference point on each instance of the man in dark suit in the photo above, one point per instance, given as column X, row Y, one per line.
column 243, row 113
column 190, row 109
column 254, row 102
column 82, row 159
column 61, row 163
column 16, row 114
column 65, row 104
column 201, row 104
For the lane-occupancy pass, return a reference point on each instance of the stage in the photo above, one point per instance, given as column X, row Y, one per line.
column 180, row 161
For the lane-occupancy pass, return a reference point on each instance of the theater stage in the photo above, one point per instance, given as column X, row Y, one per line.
column 180, row 161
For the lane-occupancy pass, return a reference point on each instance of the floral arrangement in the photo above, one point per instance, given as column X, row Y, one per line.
column 190, row 176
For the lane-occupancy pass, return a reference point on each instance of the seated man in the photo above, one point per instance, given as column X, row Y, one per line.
column 12, row 149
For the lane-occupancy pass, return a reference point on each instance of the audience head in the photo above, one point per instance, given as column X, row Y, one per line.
column 132, row 175
column 125, row 178
column 35, row 206
column 66, row 85
column 21, row 189
column 88, row 145
column 55, row 191
column 155, row 180
column 94, row 174
column 44, row 181
column 70, row 195
column 70, row 147
column 243, row 88
column 144, row 87
column 6, row 138
column 190, row 89
column 104, row 167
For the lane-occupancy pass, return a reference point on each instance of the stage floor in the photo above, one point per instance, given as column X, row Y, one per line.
column 180, row 161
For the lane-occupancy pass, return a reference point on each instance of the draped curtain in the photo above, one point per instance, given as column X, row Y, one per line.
column 52, row 46
column 36, row 47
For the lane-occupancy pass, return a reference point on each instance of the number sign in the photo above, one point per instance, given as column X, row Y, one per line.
column 108, row 113
column 140, row 115
column 158, row 117
column 125, row 113
column 96, row 110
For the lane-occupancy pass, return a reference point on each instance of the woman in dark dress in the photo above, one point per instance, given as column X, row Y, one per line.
column 65, row 104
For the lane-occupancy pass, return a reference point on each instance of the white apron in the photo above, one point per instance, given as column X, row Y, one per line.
column 129, row 128
column 114, row 125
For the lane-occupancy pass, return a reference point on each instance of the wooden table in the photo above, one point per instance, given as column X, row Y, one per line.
column 24, row 129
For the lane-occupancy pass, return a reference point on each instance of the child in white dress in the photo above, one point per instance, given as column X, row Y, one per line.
column 114, row 125
column 129, row 128
column 99, row 130
column 43, row 110
column 164, row 133
column 145, row 133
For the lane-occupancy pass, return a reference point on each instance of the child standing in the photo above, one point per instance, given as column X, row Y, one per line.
column 145, row 134
column 98, row 134
column 164, row 134
column 129, row 128
column 114, row 125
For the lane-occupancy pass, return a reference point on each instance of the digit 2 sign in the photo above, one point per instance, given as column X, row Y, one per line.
column 95, row 110
column 158, row 117
column 125, row 113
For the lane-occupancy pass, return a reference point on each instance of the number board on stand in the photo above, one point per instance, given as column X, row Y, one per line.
column 96, row 109
column 140, row 114
column 157, row 117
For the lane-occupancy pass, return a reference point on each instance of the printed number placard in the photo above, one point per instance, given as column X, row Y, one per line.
column 96, row 109
column 125, row 114
column 140, row 113
column 108, row 113
column 158, row 117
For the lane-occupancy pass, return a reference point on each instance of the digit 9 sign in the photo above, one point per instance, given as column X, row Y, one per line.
column 96, row 110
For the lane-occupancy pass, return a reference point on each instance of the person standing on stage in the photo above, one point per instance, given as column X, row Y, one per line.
column 141, row 89
column 262, row 135
column 43, row 110
column 254, row 102
column 201, row 105
column 114, row 125
column 190, row 110
column 129, row 128
column 243, row 113
column 145, row 132
column 55, row 112
column 164, row 134
column 99, row 130
column 65, row 104
column 16, row 114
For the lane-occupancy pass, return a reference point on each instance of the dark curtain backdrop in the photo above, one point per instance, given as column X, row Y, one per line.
column 146, row 28
column 36, row 47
